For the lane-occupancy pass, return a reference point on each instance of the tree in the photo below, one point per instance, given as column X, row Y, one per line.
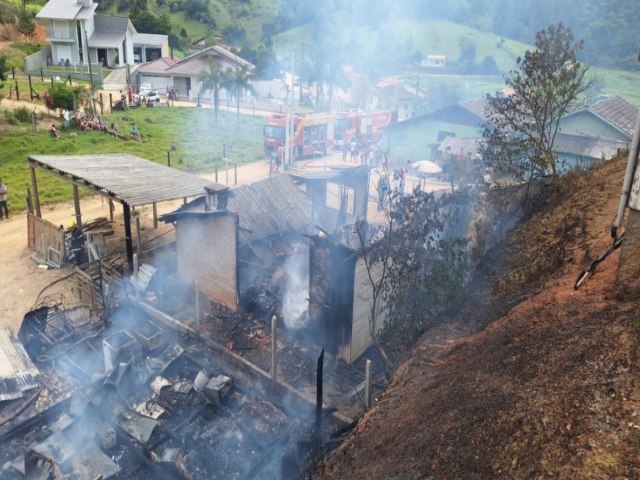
column 213, row 80
column 4, row 66
column 238, row 81
column 522, row 125
column 26, row 26
column 414, row 267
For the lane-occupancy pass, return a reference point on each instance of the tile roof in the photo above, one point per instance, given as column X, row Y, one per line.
column 157, row 66
column 17, row 373
column 618, row 111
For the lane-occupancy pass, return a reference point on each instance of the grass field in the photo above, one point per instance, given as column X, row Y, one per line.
column 194, row 139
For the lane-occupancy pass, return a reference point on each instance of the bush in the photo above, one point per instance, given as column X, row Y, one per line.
column 26, row 47
column 17, row 116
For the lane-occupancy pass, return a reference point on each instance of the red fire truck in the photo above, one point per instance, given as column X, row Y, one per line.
column 312, row 135
column 364, row 126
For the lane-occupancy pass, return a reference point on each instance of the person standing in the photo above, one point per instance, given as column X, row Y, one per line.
column 4, row 208
column 65, row 118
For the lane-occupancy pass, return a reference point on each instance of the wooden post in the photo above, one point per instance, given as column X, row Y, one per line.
column 111, row 208
column 367, row 383
column 13, row 73
column 138, row 239
column 29, row 201
column 76, row 204
column 317, row 434
column 17, row 91
column 135, row 274
column 34, row 187
column 111, row 102
column 197, row 300
column 33, row 122
column 41, row 76
column 184, row 200
column 101, row 105
column 51, row 81
column 274, row 348
column 155, row 216
column 127, row 234
column 168, row 158
column 30, row 88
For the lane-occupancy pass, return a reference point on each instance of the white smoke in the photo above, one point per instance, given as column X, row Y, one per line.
column 295, row 304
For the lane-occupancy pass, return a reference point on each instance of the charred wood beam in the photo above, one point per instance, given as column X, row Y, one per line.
column 317, row 435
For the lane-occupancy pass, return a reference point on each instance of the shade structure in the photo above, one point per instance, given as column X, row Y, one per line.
column 427, row 167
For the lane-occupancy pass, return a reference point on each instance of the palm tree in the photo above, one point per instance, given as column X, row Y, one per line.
column 213, row 80
column 238, row 81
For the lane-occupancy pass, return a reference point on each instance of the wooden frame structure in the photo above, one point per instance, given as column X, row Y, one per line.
column 127, row 179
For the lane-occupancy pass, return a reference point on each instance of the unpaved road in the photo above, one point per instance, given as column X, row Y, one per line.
column 22, row 280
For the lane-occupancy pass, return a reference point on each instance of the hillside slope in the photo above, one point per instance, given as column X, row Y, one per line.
column 549, row 389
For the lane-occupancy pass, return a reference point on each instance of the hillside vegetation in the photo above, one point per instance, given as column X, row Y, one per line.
column 528, row 378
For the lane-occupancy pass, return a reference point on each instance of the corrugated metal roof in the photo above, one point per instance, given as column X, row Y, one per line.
column 17, row 373
column 273, row 206
column 131, row 179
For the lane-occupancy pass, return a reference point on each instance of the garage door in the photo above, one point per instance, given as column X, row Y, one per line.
column 157, row 83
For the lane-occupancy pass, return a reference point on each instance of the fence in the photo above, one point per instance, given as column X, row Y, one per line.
column 36, row 64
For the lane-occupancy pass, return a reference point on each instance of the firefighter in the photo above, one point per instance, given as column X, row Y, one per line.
column 77, row 243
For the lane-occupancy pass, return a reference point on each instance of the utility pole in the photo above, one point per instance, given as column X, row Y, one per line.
column 93, row 97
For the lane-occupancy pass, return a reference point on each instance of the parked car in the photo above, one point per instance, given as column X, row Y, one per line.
column 152, row 96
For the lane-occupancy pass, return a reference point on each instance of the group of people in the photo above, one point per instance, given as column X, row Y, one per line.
column 88, row 122
column 364, row 152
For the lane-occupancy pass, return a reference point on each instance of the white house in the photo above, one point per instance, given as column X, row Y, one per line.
column 183, row 74
column 78, row 36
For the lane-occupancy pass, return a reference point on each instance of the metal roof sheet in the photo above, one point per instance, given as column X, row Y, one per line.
column 272, row 206
column 66, row 10
column 126, row 177
column 149, row 39
column 105, row 39
column 18, row 374
column 591, row 147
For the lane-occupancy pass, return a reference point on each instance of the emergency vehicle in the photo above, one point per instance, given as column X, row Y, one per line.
column 312, row 135
column 364, row 126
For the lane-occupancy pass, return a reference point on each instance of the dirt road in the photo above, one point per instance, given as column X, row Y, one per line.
column 22, row 280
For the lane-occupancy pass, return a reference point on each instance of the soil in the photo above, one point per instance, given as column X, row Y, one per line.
column 529, row 378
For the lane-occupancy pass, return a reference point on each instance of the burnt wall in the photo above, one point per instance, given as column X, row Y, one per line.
column 331, row 280
column 207, row 252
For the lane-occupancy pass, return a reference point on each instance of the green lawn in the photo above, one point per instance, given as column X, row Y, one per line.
column 195, row 139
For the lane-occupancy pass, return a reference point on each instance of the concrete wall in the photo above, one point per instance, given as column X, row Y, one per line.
column 207, row 252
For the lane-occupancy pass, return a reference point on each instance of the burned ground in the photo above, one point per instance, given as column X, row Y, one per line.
column 527, row 379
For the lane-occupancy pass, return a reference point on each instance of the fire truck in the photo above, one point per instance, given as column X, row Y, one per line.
column 312, row 135
column 364, row 126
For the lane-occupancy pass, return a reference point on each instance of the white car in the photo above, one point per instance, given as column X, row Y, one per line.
column 152, row 96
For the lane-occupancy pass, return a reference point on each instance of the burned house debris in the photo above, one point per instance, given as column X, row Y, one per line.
column 140, row 400
column 125, row 390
